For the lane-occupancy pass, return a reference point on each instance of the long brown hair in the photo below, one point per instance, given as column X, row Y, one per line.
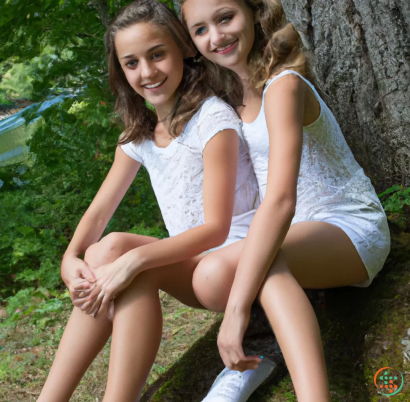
column 195, row 87
column 277, row 46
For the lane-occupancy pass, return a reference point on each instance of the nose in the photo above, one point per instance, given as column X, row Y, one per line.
column 217, row 37
column 148, row 70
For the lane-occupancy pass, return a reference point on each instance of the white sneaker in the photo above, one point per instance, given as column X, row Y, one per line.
column 234, row 386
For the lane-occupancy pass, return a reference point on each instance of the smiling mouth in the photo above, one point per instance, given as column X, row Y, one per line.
column 227, row 48
column 156, row 85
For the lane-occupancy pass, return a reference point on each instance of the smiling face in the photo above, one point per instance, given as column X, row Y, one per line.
column 222, row 30
column 152, row 63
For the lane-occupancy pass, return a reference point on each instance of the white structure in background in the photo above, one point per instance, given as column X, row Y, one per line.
column 14, row 133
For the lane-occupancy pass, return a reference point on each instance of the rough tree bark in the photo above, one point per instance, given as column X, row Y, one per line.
column 361, row 63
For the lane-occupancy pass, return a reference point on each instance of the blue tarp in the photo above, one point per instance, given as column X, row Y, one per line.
column 17, row 120
column 12, row 146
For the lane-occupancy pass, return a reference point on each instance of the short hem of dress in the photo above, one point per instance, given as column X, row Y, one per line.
column 227, row 242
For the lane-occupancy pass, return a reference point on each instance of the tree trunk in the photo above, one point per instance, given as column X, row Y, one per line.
column 361, row 64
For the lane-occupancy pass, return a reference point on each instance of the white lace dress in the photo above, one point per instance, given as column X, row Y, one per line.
column 332, row 187
column 177, row 171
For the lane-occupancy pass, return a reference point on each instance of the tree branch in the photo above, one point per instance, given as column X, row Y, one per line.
column 102, row 7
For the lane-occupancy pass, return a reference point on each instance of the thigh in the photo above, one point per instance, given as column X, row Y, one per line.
column 174, row 279
column 321, row 255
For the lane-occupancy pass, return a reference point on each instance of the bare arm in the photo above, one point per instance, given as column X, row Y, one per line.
column 110, row 194
column 97, row 216
column 220, row 167
column 284, row 110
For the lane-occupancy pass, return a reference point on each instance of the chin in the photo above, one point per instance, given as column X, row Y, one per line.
column 229, row 64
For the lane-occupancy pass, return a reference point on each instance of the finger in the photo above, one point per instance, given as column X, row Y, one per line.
column 225, row 357
column 95, row 292
column 111, row 310
column 244, row 363
column 80, row 295
column 79, row 302
column 83, row 285
column 86, row 308
column 97, row 303
column 105, row 301
column 88, row 274
column 96, row 312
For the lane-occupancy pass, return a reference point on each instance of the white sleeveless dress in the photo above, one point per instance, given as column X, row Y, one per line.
column 332, row 187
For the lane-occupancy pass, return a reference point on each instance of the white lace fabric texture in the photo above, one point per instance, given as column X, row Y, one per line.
column 332, row 186
column 176, row 172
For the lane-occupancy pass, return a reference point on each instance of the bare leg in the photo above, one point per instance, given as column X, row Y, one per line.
column 313, row 255
column 83, row 339
column 84, row 336
column 138, row 328
column 297, row 332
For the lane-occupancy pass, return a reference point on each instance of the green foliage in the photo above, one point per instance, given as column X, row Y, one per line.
column 57, row 47
column 396, row 203
column 72, row 153
column 39, row 305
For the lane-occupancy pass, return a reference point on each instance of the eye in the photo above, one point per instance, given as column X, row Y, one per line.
column 226, row 19
column 200, row 31
column 132, row 63
column 157, row 55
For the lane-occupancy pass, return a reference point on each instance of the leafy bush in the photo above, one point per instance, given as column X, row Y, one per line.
column 396, row 203
column 72, row 153
column 58, row 47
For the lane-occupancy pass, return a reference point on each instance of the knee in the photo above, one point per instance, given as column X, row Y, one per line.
column 107, row 250
column 212, row 282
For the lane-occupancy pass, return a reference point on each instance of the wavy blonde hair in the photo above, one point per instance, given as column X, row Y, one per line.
column 280, row 42
column 198, row 82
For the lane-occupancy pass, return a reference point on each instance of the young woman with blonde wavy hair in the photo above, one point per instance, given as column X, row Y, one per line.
column 320, row 224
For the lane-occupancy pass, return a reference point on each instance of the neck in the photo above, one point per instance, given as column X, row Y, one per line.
column 164, row 110
column 243, row 73
column 242, row 70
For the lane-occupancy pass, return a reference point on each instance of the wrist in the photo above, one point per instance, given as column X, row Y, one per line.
column 132, row 262
column 70, row 254
column 238, row 308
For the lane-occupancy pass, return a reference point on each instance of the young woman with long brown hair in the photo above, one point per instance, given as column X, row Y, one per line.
column 203, row 179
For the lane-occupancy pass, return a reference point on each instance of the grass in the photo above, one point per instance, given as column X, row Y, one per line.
column 26, row 352
column 361, row 330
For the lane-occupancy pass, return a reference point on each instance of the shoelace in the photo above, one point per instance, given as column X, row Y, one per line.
column 228, row 386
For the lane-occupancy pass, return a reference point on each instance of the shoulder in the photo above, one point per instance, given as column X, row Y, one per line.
column 135, row 151
column 287, row 80
column 215, row 105
column 284, row 88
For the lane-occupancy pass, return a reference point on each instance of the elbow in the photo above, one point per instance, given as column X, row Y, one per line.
column 219, row 235
column 285, row 205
